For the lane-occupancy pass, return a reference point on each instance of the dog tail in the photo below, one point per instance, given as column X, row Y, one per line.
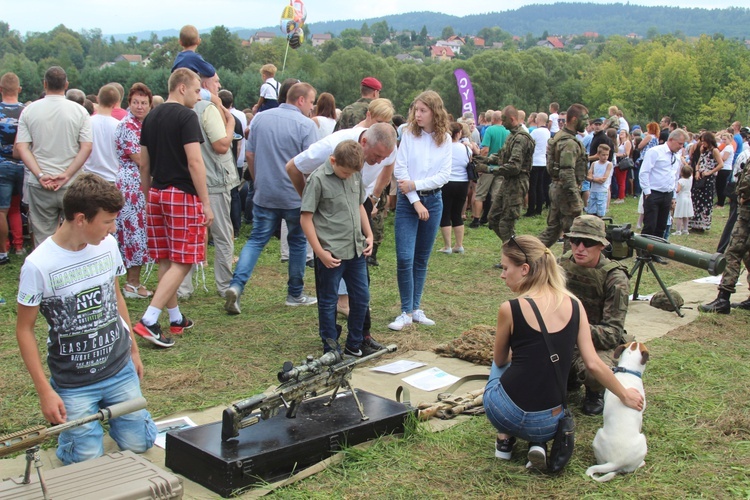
column 609, row 470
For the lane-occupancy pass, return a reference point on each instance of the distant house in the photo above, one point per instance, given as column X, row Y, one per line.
column 478, row 41
column 409, row 57
column 441, row 53
column 551, row 42
column 262, row 37
column 591, row 34
column 132, row 59
column 496, row 45
column 632, row 36
column 367, row 41
column 319, row 39
column 455, row 44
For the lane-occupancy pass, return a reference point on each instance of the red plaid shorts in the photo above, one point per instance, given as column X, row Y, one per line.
column 175, row 226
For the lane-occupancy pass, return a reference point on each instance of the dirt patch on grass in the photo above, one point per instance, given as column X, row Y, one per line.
column 715, row 328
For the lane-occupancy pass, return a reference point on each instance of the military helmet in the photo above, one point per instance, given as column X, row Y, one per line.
column 660, row 300
column 589, row 227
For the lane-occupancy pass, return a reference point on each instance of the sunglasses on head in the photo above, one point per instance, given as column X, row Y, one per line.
column 526, row 257
column 586, row 242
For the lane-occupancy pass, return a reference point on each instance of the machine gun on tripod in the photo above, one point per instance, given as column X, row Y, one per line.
column 623, row 241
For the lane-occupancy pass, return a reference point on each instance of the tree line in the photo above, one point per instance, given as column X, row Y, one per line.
column 701, row 84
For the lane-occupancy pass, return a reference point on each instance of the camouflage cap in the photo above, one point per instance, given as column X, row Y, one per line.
column 589, row 227
column 660, row 300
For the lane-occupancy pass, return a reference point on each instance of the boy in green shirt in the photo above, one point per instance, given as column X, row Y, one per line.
column 336, row 226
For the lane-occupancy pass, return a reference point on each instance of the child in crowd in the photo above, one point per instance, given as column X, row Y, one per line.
column 600, row 177
column 335, row 223
column 71, row 279
column 190, row 59
column 269, row 89
column 683, row 210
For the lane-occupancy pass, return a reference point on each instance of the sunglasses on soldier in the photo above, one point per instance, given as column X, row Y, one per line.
column 586, row 242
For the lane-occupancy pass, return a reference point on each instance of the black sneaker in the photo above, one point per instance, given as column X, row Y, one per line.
column 504, row 447
column 179, row 327
column 153, row 334
column 4, row 260
column 355, row 353
column 474, row 223
column 371, row 342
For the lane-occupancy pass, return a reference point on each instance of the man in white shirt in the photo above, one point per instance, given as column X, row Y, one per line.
column 659, row 173
column 103, row 159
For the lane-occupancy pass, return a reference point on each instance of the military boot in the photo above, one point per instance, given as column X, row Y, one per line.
column 719, row 305
column 593, row 402
column 745, row 304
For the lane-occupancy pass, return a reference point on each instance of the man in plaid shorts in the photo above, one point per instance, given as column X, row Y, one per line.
column 178, row 207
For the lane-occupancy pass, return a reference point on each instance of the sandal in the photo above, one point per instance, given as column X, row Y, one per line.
column 134, row 292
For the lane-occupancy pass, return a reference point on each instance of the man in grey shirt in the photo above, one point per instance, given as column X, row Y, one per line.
column 276, row 136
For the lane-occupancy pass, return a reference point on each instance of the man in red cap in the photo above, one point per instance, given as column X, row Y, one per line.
column 354, row 113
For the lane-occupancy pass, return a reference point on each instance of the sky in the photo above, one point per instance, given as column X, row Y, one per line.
column 131, row 16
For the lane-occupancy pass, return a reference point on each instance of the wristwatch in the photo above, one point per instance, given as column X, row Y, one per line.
column 41, row 174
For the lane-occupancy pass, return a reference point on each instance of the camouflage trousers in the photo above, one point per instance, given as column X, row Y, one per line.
column 565, row 206
column 579, row 372
column 738, row 251
column 377, row 222
column 507, row 203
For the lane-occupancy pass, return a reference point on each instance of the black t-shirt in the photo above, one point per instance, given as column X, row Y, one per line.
column 166, row 130
column 601, row 138
column 663, row 136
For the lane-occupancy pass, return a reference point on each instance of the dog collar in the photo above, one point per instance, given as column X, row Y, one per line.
column 619, row 369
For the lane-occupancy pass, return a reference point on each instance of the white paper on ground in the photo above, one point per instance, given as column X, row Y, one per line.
column 711, row 280
column 399, row 366
column 173, row 424
column 430, row 380
column 642, row 297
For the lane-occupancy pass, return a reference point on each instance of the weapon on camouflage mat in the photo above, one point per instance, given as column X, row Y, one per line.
column 449, row 406
column 313, row 377
column 28, row 438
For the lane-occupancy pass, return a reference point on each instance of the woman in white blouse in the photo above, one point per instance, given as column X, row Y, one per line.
column 423, row 166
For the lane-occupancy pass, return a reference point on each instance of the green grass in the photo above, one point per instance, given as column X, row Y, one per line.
column 697, row 421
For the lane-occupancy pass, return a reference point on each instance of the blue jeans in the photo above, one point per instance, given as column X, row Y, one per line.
column 135, row 431
column 11, row 183
column 354, row 274
column 265, row 222
column 414, row 242
column 502, row 412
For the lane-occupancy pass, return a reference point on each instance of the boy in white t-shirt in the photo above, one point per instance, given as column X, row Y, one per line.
column 72, row 280
column 269, row 89
column 600, row 176
column 554, row 124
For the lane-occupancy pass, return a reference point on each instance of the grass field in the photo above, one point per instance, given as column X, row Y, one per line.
column 697, row 421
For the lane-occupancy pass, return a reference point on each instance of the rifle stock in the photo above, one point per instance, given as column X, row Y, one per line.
column 314, row 377
column 27, row 438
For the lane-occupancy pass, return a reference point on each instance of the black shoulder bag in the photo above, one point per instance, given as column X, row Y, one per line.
column 471, row 167
column 562, row 446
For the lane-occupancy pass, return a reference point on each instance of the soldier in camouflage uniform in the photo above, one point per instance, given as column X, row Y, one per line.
column 738, row 251
column 603, row 287
column 354, row 113
column 567, row 165
column 377, row 224
column 513, row 165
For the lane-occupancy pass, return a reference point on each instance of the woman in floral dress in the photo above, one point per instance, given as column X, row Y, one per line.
column 131, row 223
column 706, row 161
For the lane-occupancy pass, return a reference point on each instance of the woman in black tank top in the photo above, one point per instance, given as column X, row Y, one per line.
column 522, row 398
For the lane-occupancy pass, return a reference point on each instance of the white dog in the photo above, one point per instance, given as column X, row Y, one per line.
column 620, row 446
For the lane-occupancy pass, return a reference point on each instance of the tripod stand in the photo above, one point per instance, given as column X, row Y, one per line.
column 646, row 259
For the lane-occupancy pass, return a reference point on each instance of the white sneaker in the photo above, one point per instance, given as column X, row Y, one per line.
column 537, row 458
column 400, row 322
column 419, row 317
column 445, row 250
column 302, row 300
